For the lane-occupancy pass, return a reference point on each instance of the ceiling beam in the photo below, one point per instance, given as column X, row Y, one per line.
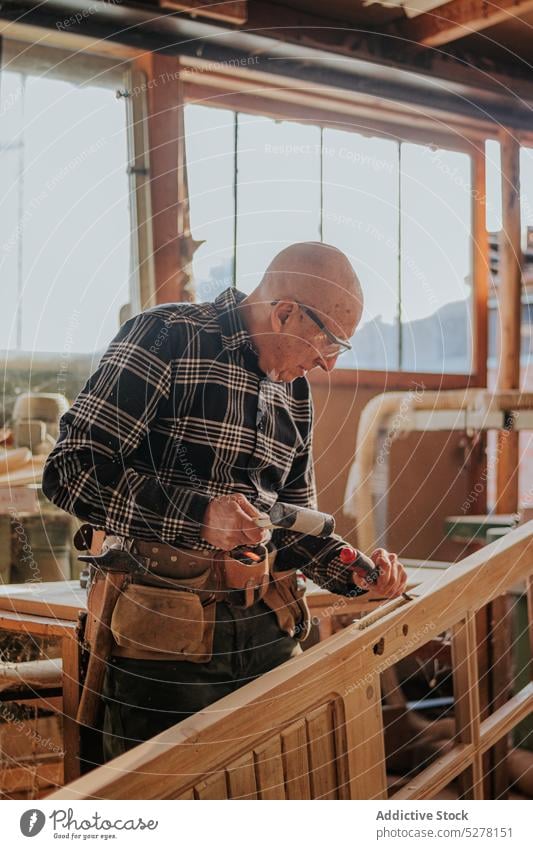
column 460, row 18
column 305, row 47
column 233, row 11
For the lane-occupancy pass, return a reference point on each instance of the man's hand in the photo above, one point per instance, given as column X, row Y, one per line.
column 392, row 578
column 228, row 522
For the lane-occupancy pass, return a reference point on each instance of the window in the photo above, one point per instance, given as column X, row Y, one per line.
column 210, row 142
column 400, row 211
column 278, row 191
column 494, row 226
column 64, row 214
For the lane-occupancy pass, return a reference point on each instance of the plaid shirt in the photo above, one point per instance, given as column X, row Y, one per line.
column 177, row 413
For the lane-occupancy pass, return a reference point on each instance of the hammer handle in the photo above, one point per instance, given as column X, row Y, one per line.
column 100, row 651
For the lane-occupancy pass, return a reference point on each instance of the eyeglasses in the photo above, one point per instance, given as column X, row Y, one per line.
column 342, row 344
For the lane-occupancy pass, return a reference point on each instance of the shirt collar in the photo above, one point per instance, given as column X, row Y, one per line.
column 234, row 333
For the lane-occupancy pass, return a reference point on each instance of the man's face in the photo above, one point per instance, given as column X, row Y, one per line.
column 298, row 345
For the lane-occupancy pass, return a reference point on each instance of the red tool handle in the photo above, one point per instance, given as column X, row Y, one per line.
column 360, row 563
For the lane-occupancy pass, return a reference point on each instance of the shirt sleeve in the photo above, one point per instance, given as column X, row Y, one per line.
column 89, row 473
column 318, row 559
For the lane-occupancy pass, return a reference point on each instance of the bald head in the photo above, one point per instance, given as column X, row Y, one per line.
column 289, row 339
column 319, row 276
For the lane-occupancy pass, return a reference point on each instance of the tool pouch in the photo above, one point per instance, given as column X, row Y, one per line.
column 95, row 600
column 245, row 584
column 286, row 599
column 163, row 624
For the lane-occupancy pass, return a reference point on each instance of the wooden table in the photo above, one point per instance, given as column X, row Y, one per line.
column 51, row 610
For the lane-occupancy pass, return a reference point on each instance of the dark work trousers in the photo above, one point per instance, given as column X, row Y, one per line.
column 144, row 697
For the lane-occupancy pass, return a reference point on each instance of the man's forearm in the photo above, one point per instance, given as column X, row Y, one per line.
column 318, row 559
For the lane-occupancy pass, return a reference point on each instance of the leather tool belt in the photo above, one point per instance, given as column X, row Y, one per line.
column 166, row 610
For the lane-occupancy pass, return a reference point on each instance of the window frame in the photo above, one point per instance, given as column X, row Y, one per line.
column 298, row 103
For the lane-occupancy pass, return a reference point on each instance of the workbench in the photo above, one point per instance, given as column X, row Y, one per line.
column 52, row 609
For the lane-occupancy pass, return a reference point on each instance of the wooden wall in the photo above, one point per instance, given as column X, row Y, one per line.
column 427, row 479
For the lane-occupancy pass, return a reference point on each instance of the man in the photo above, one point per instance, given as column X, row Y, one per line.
column 196, row 421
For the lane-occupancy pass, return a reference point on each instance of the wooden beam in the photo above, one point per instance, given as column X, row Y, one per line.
column 168, row 187
column 505, row 718
column 460, row 18
column 366, row 751
column 291, row 42
column 510, row 293
column 466, row 694
column 233, row 11
column 481, row 265
column 507, row 473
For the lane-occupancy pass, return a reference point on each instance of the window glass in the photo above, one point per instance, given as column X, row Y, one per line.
column 436, row 260
column 210, row 141
column 401, row 213
column 11, row 98
column 361, row 218
column 65, row 213
column 493, row 180
column 278, row 191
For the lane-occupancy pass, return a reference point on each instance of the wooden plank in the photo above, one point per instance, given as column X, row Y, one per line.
column 428, row 782
column 185, row 797
column 269, row 770
column 481, row 269
column 70, row 652
column 17, row 778
column 500, row 686
column 505, row 718
column 61, row 599
column 466, row 696
column 321, row 743
column 212, row 787
column 241, row 778
column 460, row 18
column 38, row 626
column 30, row 674
column 510, row 306
column 529, row 590
column 234, row 11
column 308, row 102
column 295, row 761
column 324, row 33
column 365, row 741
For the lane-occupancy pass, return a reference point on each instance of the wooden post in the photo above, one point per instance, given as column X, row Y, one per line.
column 510, row 303
column 70, row 652
column 467, row 709
column 510, row 287
column 481, row 267
column 172, row 245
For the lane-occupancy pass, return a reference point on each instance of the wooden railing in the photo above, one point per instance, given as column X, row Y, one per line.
column 313, row 728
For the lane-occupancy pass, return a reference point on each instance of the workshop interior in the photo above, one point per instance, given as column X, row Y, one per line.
column 158, row 153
